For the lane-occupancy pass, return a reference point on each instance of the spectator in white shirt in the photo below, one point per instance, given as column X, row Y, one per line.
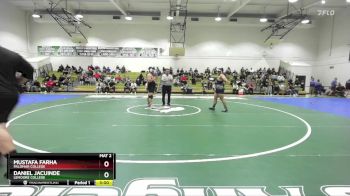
column 133, row 87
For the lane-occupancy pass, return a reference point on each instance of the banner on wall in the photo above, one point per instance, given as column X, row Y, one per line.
column 95, row 51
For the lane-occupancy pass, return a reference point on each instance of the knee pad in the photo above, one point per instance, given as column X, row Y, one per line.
column 150, row 96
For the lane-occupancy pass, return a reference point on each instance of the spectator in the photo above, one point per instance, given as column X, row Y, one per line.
column 347, row 87
column 340, row 90
column 312, row 85
column 50, row 85
column 127, row 87
column 80, row 70
column 269, row 87
column 111, row 86
column 123, row 70
column 133, row 87
column 118, row 78
column 97, row 75
column 318, row 88
column 36, row 86
column 250, row 88
column 183, row 79
column 140, row 80
column 60, row 68
column 334, row 84
column 98, row 87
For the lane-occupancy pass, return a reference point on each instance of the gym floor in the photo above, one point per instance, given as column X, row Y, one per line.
column 261, row 141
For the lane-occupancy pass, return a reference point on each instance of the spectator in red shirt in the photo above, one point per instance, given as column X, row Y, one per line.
column 49, row 85
column 97, row 76
column 183, row 79
column 118, row 78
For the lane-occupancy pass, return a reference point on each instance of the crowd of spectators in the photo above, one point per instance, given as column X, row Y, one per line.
column 266, row 81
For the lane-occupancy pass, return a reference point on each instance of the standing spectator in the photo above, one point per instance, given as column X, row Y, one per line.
column 318, row 88
column 334, row 84
column 312, row 86
column 269, row 87
column 347, row 87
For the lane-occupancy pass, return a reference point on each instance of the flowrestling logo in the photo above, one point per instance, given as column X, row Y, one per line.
column 167, row 109
column 164, row 187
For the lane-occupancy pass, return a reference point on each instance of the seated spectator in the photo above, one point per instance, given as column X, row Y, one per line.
column 334, row 84
column 347, row 85
column 123, row 69
column 118, row 78
column 340, row 90
column 250, row 88
column 50, row 85
column 80, row 70
column 74, row 69
column 61, row 80
column 111, row 86
column 105, row 86
column 186, row 89
column 133, row 87
column 276, row 88
column 318, row 88
column 36, row 86
column 54, row 77
column 98, row 87
column 60, row 68
column 97, row 75
column 291, row 90
column 82, row 78
column 228, row 71
column 140, row 80
column 193, row 81
column 127, row 87
column 183, row 79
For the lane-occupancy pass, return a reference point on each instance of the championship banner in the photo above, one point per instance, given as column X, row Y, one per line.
column 95, row 51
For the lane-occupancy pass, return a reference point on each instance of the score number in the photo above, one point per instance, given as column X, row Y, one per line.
column 106, row 164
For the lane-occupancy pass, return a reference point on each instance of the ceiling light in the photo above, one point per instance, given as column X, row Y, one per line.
column 263, row 19
column 169, row 17
column 218, row 19
column 292, row 1
column 347, row 1
column 323, row 1
column 79, row 16
column 305, row 21
column 128, row 18
column 35, row 15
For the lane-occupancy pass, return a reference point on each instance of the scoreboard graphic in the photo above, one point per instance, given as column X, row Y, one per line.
column 83, row 169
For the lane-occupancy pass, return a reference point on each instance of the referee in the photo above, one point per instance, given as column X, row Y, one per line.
column 167, row 82
column 10, row 65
